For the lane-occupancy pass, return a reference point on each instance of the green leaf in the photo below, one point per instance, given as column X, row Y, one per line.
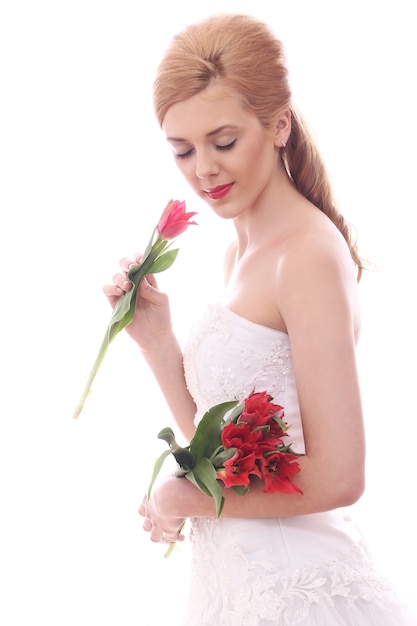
column 167, row 434
column 203, row 475
column 150, row 243
column 157, row 468
column 235, row 413
column 183, row 456
column 164, row 261
column 219, row 458
column 207, row 436
column 240, row 489
column 124, row 311
column 153, row 250
column 281, row 423
column 201, row 486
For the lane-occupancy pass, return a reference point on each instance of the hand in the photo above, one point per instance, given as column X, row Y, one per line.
column 152, row 318
column 162, row 526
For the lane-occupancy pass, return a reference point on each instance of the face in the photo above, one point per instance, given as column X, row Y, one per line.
column 226, row 155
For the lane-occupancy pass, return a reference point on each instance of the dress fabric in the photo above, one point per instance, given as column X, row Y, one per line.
column 304, row 570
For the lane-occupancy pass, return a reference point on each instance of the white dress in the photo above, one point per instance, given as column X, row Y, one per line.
column 305, row 570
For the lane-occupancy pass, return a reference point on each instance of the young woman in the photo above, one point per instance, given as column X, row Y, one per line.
column 287, row 323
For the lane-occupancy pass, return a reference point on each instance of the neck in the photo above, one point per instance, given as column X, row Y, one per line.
column 270, row 215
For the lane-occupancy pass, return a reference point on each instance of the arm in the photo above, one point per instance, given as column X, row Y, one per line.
column 322, row 319
column 151, row 329
column 166, row 362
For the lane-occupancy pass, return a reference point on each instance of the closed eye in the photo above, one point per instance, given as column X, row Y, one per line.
column 228, row 146
column 183, row 155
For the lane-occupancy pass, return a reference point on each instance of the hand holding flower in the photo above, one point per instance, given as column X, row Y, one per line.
column 156, row 258
column 152, row 320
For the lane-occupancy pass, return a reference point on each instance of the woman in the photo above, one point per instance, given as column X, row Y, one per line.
column 287, row 323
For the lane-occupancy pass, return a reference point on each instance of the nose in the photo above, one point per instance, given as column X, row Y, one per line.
column 206, row 164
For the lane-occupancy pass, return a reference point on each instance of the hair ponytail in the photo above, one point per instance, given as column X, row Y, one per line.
column 306, row 168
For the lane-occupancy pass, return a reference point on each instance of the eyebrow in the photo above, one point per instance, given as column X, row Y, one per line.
column 210, row 134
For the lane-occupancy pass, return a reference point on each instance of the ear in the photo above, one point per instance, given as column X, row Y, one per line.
column 283, row 129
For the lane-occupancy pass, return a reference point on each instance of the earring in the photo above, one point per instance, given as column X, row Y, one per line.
column 283, row 144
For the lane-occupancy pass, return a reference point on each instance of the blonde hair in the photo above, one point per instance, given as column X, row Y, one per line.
column 246, row 56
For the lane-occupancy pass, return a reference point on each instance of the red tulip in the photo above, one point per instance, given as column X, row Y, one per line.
column 277, row 471
column 258, row 409
column 237, row 470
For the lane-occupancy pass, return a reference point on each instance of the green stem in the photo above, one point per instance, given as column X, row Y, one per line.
column 172, row 545
column 87, row 390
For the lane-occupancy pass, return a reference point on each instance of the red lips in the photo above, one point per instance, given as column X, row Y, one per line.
column 218, row 192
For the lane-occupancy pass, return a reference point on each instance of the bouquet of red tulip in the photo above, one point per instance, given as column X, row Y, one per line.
column 156, row 258
column 233, row 442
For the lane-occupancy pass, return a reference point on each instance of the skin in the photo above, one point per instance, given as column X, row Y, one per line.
column 308, row 289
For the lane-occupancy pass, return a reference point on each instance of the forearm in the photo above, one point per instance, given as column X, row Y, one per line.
column 322, row 491
column 166, row 363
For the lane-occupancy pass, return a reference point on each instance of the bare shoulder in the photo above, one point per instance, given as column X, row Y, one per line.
column 316, row 274
column 318, row 250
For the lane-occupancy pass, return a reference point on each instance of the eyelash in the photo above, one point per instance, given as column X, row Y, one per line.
column 229, row 146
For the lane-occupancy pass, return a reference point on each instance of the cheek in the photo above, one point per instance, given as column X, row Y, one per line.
column 253, row 154
column 262, row 158
column 250, row 164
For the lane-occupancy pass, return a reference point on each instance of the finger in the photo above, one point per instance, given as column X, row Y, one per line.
column 142, row 507
column 151, row 280
column 157, row 535
column 137, row 258
column 126, row 263
column 113, row 291
column 122, row 282
column 149, row 291
column 174, row 537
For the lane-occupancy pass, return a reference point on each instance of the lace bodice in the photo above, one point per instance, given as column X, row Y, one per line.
column 227, row 357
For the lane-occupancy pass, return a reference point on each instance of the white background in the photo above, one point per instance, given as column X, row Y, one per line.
column 84, row 176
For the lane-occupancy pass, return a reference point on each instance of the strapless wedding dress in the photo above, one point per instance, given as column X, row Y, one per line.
column 305, row 570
